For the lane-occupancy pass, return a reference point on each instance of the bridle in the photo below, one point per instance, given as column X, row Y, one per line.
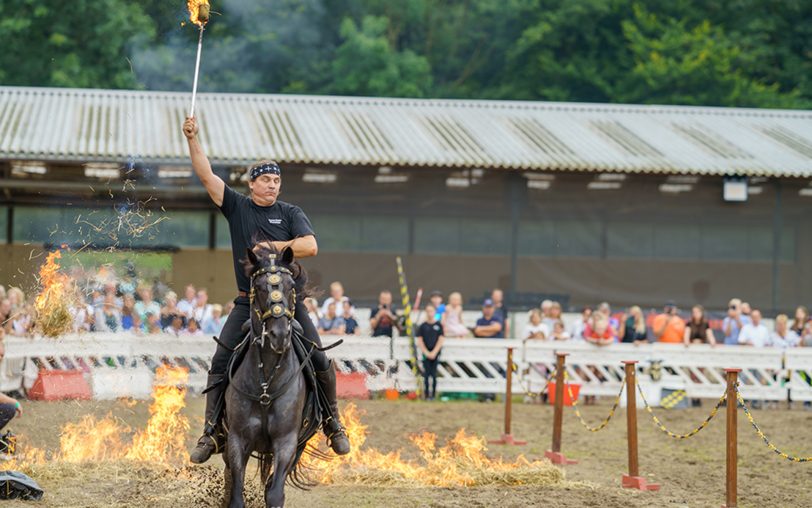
column 279, row 306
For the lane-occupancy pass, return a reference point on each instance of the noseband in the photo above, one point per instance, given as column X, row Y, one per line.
column 278, row 308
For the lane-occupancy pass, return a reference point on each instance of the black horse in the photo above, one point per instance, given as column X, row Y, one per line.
column 272, row 408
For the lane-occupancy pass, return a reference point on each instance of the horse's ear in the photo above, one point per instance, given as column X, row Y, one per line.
column 252, row 258
column 287, row 256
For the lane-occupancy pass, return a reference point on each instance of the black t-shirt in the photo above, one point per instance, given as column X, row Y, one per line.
column 250, row 223
column 430, row 333
column 385, row 324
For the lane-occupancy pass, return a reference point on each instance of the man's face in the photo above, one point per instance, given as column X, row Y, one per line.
column 336, row 291
column 202, row 298
column 497, row 296
column 266, row 188
column 487, row 311
column 190, row 293
column 756, row 317
column 385, row 299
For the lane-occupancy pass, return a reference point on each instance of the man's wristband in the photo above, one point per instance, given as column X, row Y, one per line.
column 17, row 404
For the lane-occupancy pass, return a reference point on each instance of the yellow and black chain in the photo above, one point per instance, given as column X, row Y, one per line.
column 527, row 391
column 667, row 432
column 606, row 420
column 761, row 433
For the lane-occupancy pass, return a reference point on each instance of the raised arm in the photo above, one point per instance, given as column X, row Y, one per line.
column 200, row 163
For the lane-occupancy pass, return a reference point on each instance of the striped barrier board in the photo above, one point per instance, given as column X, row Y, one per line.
column 119, row 365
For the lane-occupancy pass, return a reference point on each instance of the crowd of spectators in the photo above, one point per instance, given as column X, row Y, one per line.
column 107, row 303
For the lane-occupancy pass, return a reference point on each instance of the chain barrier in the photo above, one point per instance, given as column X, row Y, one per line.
column 761, row 433
column 606, row 420
column 667, row 432
column 527, row 391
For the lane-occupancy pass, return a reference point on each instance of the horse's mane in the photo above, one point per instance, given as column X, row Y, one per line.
column 264, row 252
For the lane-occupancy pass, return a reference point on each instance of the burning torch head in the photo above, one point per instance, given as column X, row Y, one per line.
column 203, row 13
column 199, row 11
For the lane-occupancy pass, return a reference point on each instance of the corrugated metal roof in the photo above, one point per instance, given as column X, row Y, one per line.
column 115, row 125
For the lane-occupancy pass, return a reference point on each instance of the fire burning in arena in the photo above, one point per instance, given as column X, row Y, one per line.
column 52, row 304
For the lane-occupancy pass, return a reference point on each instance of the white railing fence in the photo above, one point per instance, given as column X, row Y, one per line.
column 120, row 365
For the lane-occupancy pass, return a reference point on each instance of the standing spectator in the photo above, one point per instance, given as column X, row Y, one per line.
column 536, row 329
column 202, row 310
column 6, row 315
column 614, row 323
column 313, row 313
column 755, row 333
column 213, row 325
column 598, row 331
column 382, row 318
column 698, row 330
column 129, row 318
column 784, row 337
column 152, row 321
column 146, row 305
column 187, row 305
column 559, row 332
column 806, row 336
column 633, row 328
column 336, row 296
column 331, row 323
column 545, row 309
column 436, row 299
column 489, row 326
column 430, row 341
column 83, row 317
column 578, row 328
column 108, row 317
column 733, row 322
column 452, row 318
column 175, row 328
column 192, row 329
column 801, row 318
column 553, row 315
column 170, row 309
column 501, row 311
column 668, row 327
column 350, row 323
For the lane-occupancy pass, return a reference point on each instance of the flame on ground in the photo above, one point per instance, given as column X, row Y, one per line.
column 461, row 462
column 52, row 303
column 96, row 440
column 198, row 11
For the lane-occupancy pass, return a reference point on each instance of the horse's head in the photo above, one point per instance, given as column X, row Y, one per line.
column 273, row 296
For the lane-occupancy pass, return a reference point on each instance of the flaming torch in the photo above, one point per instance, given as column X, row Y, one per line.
column 199, row 15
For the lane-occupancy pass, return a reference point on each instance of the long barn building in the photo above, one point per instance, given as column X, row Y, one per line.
column 584, row 202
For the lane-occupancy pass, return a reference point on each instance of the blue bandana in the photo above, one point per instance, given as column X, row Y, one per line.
column 264, row 169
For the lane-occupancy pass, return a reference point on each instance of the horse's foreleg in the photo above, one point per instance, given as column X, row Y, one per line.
column 284, row 451
column 237, row 459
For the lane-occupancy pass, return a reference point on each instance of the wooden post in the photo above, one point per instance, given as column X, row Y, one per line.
column 554, row 454
column 507, row 437
column 633, row 480
column 732, row 438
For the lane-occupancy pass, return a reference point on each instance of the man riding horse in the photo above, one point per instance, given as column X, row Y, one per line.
column 260, row 216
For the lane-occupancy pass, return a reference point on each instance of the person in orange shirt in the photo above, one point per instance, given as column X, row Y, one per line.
column 668, row 326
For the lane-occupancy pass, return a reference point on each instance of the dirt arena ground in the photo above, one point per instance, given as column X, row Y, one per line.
column 691, row 471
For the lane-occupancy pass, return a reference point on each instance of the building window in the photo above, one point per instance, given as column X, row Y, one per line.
column 560, row 238
column 109, row 227
column 3, row 224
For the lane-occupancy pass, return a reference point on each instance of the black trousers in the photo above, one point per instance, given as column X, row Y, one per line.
column 232, row 335
column 430, row 376
column 7, row 412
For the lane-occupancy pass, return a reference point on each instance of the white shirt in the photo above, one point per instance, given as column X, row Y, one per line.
column 186, row 307
column 339, row 305
column 533, row 329
column 201, row 314
column 758, row 336
column 790, row 339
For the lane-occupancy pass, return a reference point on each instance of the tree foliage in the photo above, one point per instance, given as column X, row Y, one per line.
column 734, row 53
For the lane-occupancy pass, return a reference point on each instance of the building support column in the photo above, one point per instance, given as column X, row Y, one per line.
column 778, row 226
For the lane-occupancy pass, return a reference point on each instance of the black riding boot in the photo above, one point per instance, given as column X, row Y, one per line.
column 212, row 439
column 331, row 426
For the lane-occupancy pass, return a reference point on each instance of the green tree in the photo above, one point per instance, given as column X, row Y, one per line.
column 675, row 63
column 367, row 64
column 83, row 43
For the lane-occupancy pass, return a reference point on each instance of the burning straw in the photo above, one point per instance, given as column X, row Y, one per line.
column 461, row 462
column 53, row 302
